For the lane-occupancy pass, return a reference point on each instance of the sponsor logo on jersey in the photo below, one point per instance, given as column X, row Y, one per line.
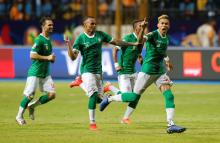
column 159, row 43
column 46, row 46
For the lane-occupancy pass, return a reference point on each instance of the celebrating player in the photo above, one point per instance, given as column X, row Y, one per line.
column 38, row 74
column 126, row 67
column 89, row 44
column 153, row 71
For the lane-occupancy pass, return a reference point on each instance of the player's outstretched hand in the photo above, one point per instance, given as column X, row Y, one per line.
column 137, row 44
column 52, row 58
column 169, row 66
column 66, row 39
column 118, row 68
column 144, row 23
column 140, row 59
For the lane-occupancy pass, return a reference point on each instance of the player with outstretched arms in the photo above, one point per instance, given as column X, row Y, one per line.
column 89, row 44
column 153, row 71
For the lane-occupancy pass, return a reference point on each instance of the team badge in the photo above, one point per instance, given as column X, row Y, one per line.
column 86, row 44
column 158, row 45
column 99, row 39
column 46, row 46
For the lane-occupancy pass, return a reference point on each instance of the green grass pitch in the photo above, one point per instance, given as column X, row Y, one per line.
column 65, row 120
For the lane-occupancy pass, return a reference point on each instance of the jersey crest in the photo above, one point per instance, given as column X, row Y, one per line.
column 99, row 39
column 46, row 46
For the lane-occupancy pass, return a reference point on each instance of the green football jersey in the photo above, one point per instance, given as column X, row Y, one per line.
column 43, row 47
column 156, row 47
column 129, row 55
column 90, row 48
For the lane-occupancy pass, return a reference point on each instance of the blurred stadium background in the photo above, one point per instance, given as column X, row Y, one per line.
column 19, row 25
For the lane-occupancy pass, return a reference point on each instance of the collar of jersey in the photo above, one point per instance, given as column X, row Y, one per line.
column 160, row 34
column 89, row 36
column 44, row 36
column 135, row 35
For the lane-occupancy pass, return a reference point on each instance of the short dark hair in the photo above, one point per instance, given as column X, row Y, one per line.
column 43, row 19
column 135, row 22
column 87, row 17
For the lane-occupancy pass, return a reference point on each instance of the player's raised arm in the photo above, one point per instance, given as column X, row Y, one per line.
column 140, row 59
column 168, row 63
column 141, row 33
column 123, row 43
column 72, row 53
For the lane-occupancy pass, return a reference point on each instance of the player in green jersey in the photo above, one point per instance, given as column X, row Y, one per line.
column 39, row 74
column 153, row 71
column 125, row 67
column 89, row 44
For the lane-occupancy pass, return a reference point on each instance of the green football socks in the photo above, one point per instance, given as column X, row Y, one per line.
column 169, row 99
column 92, row 101
column 129, row 97
column 134, row 103
column 44, row 99
column 24, row 102
column 99, row 100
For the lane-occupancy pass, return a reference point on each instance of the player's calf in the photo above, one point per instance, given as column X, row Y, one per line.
column 31, row 112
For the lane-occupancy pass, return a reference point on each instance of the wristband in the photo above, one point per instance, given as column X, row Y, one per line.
column 116, row 65
column 117, row 47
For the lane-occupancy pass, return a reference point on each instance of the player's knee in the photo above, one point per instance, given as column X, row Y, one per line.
column 30, row 97
column 138, row 90
column 164, row 87
column 52, row 95
column 129, row 97
column 92, row 91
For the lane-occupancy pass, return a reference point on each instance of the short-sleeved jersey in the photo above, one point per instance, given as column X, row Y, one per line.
column 43, row 47
column 156, row 47
column 90, row 48
column 129, row 55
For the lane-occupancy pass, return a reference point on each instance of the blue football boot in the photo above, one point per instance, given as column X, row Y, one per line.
column 175, row 129
column 104, row 104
